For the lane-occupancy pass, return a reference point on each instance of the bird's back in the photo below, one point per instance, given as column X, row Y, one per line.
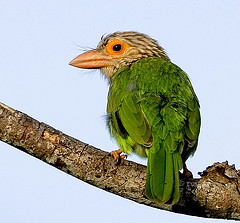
column 159, row 86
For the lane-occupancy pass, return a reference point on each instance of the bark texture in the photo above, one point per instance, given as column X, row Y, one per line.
column 215, row 195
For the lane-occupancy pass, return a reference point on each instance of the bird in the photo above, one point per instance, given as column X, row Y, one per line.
column 152, row 108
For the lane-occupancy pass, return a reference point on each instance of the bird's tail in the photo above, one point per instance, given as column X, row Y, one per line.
column 162, row 184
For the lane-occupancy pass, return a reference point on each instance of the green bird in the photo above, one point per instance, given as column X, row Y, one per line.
column 152, row 108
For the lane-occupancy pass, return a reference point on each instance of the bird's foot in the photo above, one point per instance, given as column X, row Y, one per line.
column 187, row 174
column 116, row 154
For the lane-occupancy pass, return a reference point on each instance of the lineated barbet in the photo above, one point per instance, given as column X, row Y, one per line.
column 152, row 108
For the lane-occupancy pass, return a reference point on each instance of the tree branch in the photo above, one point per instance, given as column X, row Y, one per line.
column 215, row 195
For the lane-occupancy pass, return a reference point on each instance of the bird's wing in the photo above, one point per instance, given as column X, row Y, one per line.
column 127, row 122
column 192, row 129
column 134, row 120
column 169, row 103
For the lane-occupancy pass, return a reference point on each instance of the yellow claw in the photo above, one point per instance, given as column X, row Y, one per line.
column 116, row 154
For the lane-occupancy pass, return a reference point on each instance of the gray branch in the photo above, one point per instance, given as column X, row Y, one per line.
column 215, row 195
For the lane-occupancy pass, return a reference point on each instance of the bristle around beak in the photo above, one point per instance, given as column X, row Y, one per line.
column 92, row 59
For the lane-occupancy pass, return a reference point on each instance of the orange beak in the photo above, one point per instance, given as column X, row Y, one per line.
column 91, row 60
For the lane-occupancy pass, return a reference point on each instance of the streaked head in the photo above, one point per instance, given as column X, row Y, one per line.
column 118, row 50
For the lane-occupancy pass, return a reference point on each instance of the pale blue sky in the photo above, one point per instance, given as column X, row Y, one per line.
column 37, row 41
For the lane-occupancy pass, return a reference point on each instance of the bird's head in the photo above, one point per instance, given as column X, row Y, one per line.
column 118, row 50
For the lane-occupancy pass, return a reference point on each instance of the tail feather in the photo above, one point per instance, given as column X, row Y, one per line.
column 155, row 185
column 169, row 178
column 162, row 183
column 178, row 166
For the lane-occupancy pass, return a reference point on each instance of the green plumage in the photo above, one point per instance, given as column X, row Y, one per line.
column 154, row 112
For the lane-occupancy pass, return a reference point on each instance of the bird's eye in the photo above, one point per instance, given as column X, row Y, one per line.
column 117, row 47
